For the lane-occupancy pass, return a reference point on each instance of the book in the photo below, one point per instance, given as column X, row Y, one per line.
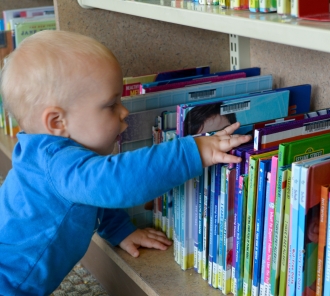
column 6, row 45
column 326, row 285
column 324, row 203
column 284, row 6
column 267, row 6
column 200, row 224
column 29, row 27
column 212, row 115
column 145, row 108
column 250, row 219
column 264, row 168
column 285, row 238
column 270, row 223
column 240, row 241
column 314, row 173
column 254, row 5
column 25, row 12
column 280, row 198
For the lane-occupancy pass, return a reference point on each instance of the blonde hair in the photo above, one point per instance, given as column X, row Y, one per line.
column 45, row 69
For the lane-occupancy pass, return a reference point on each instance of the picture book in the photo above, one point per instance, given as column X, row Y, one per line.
column 264, row 238
column 224, row 3
column 324, row 202
column 250, row 219
column 264, row 168
column 240, row 236
column 254, row 5
column 270, row 224
column 199, row 117
column 196, row 221
column 290, row 131
column 200, row 224
column 314, row 173
column 25, row 29
column 25, row 12
column 285, row 238
column 267, row 6
column 280, row 198
column 145, row 108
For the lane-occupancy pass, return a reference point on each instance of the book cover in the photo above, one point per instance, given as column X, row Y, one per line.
column 264, row 168
column 285, row 239
column 250, row 219
column 267, row 6
column 240, row 242
column 322, row 238
column 254, row 6
column 214, row 115
column 326, row 285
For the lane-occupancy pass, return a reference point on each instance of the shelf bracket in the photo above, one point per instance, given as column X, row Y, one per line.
column 80, row 2
column 239, row 52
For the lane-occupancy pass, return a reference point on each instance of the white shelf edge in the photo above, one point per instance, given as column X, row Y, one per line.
column 304, row 34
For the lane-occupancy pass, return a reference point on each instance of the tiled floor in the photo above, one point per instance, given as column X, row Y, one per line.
column 78, row 282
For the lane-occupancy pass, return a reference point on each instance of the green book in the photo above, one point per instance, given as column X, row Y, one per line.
column 30, row 27
column 250, row 217
column 285, row 238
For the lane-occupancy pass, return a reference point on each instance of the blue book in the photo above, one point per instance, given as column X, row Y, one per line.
column 211, row 229
column 264, row 168
column 200, row 224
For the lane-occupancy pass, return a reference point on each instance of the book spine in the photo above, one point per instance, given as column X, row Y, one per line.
column 260, row 210
column 200, row 223
column 264, row 243
column 294, row 8
column 206, row 224
column 285, row 248
column 254, row 6
column 283, row 6
column 233, row 267
column 243, row 188
column 278, row 228
column 196, row 222
column 293, row 233
column 183, row 247
column 326, row 287
column 211, row 230
column 249, row 232
column 169, row 211
column 178, row 119
column 164, row 213
column 271, row 206
column 301, row 230
column 322, row 238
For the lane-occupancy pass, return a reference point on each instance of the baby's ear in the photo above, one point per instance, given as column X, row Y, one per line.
column 54, row 121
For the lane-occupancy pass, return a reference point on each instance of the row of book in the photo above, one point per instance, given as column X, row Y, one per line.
column 16, row 25
column 319, row 11
column 233, row 223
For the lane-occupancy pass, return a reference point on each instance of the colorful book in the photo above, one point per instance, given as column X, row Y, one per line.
column 264, row 168
column 322, row 238
column 196, row 221
column 250, row 220
column 200, row 224
column 254, row 5
column 267, row 6
column 326, row 285
column 285, row 238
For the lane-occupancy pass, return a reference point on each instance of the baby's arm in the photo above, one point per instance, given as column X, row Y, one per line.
column 148, row 237
column 212, row 149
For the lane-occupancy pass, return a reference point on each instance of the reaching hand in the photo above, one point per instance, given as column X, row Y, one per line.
column 148, row 237
column 212, row 149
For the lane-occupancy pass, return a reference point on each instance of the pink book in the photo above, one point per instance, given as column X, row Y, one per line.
column 272, row 196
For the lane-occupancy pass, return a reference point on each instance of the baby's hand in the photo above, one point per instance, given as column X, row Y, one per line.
column 212, row 149
column 148, row 237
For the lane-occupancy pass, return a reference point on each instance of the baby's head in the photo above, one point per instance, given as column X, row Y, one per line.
column 61, row 83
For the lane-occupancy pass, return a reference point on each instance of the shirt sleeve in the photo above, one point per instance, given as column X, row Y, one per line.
column 126, row 179
column 115, row 226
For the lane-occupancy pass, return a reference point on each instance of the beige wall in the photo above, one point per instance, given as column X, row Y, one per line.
column 145, row 46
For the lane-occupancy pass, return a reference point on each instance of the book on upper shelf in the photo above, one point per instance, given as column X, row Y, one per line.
column 6, row 45
column 318, row 11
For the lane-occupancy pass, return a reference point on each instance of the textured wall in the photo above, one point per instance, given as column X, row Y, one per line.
column 292, row 66
column 145, row 46
column 13, row 4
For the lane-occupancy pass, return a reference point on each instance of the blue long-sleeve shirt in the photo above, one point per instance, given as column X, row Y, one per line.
column 58, row 194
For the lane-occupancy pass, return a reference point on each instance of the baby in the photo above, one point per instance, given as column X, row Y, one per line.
column 64, row 89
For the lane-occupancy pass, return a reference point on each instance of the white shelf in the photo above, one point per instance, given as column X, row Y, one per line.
column 269, row 27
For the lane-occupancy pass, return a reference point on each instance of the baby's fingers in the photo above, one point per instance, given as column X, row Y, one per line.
column 228, row 130
column 229, row 142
